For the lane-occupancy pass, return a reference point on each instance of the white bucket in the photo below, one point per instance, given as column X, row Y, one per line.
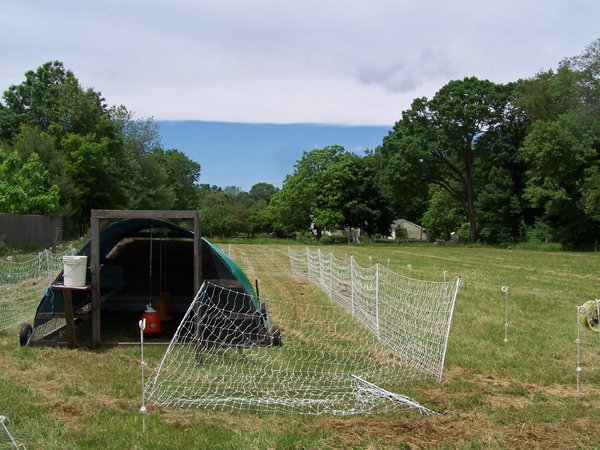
column 74, row 270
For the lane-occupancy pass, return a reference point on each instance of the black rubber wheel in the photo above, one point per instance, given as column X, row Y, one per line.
column 25, row 333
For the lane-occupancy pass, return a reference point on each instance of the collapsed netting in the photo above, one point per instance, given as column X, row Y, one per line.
column 23, row 283
column 307, row 357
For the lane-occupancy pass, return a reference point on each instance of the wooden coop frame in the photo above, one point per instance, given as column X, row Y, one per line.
column 100, row 218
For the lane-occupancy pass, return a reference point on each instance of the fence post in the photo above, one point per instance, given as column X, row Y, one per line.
column 330, row 275
column 377, row 298
column 308, row 264
column 505, row 290
column 142, row 326
column 580, row 310
column 7, row 433
column 320, row 269
column 352, row 281
column 291, row 261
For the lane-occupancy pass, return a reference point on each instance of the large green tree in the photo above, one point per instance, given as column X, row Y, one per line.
column 52, row 99
column 562, row 148
column 401, row 175
column 561, row 158
column 437, row 138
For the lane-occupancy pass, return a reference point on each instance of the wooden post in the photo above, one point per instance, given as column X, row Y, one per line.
column 197, row 253
column 69, row 314
column 377, row 298
column 95, row 270
column 68, row 306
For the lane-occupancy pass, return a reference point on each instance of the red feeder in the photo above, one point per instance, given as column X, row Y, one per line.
column 153, row 325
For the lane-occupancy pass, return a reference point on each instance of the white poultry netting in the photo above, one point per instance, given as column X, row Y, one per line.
column 346, row 354
column 23, row 283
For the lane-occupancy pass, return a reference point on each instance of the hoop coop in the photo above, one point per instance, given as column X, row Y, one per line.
column 141, row 261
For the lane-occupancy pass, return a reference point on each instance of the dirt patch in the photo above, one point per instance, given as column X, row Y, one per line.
column 520, row 390
column 434, row 431
column 419, row 432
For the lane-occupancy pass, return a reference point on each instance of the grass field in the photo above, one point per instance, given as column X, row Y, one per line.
column 519, row 394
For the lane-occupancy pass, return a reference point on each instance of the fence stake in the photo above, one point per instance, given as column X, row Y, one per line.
column 142, row 324
column 48, row 266
column 505, row 290
column 320, row 269
column 580, row 309
column 598, row 315
column 377, row 297
column 352, row 281
column 292, row 262
column 7, row 433
column 330, row 274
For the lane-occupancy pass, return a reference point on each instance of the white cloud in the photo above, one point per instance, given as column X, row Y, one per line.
column 409, row 74
column 271, row 61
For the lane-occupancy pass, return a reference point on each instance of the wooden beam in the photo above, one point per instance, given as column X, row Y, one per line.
column 99, row 217
column 95, row 269
column 197, row 253
column 144, row 214
column 69, row 315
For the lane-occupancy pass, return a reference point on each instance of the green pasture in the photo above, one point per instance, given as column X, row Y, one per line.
column 518, row 394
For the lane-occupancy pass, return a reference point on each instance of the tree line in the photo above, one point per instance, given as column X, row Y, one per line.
column 499, row 163
column 504, row 162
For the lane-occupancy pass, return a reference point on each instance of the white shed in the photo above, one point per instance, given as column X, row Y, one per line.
column 412, row 231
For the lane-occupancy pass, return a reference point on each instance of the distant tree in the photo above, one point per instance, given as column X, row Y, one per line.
column 259, row 197
column 219, row 220
column 365, row 206
column 142, row 168
column 263, row 191
column 98, row 157
column 31, row 139
column 549, row 94
column 443, row 215
column 402, row 175
column 587, row 65
column 151, row 189
column 26, row 188
column 500, row 176
column 591, row 192
column 183, row 174
column 312, row 195
column 329, row 189
column 91, row 177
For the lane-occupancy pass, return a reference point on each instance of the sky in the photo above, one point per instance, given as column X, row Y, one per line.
column 222, row 148
column 329, row 62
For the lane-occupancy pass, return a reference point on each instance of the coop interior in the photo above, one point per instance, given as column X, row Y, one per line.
column 144, row 271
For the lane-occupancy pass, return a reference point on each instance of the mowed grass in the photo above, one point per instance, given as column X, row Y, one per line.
column 518, row 394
